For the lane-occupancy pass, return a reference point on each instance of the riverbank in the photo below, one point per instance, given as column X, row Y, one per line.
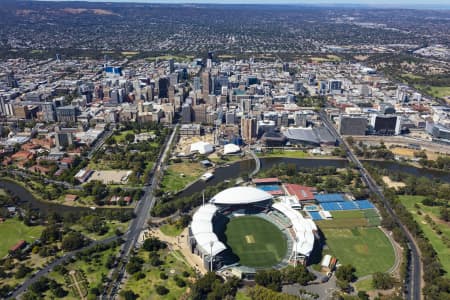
column 26, row 196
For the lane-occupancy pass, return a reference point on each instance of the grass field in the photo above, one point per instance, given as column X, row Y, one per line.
column 171, row 230
column 179, row 175
column 435, row 91
column 285, row 153
column 364, row 285
column 329, row 57
column 351, row 219
column 257, row 242
column 367, row 249
column 433, row 211
column 345, row 219
column 12, row 231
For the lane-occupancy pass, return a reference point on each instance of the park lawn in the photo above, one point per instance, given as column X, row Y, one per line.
column 367, row 249
column 411, row 76
column 171, row 230
column 119, row 137
column 240, row 295
column 329, row 57
column 3, row 193
column 364, row 285
column 174, row 264
column 13, row 230
column 179, row 175
column 285, row 153
column 112, row 226
column 228, row 159
column 442, row 250
column 178, row 58
column 435, row 91
column 257, row 242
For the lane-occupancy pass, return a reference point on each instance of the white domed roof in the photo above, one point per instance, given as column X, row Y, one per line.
column 240, row 195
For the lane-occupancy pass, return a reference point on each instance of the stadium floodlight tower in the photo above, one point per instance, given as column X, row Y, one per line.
column 295, row 253
column 211, row 244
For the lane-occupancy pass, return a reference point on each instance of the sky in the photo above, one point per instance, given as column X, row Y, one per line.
column 436, row 4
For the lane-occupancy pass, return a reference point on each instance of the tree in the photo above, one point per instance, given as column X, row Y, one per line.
column 271, row 279
column 22, row 271
column 129, row 295
column 443, row 214
column 362, row 295
column 134, row 265
column 153, row 244
column 382, row 281
column 72, row 241
column 161, row 290
column 94, row 224
column 40, row 286
column 346, row 273
column 129, row 137
column 298, row 274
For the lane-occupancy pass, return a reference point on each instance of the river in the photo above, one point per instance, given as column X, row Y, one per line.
column 236, row 169
column 230, row 172
column 26, row 198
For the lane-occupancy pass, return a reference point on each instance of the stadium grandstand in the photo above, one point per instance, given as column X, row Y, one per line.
column 303, row 231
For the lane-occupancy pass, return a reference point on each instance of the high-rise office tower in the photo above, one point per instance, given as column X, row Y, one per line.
column 197, row 84
column 171, row 65
column 163, row 87
column 206, row 84
column 248, row 128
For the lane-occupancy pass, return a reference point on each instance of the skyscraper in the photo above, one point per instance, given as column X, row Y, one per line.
column 206, row 84
column 163, row 87
column 171, row 65
column 248, row 129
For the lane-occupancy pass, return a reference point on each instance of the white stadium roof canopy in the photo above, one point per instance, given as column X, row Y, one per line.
column 202, row 230
column 303, row 228
column 240, row 195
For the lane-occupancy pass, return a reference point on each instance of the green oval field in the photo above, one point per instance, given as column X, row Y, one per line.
column 257, row 242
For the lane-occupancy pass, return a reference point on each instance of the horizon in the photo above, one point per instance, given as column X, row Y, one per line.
column 393, row 4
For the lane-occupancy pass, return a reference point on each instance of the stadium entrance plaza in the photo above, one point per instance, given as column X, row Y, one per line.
column 180, row 243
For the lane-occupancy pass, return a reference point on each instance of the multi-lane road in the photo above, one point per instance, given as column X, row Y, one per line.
column 413, row 284
column 139, row 223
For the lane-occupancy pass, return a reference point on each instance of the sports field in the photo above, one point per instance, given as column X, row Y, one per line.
column 12, row 231
column 257, row 242
column 367, row 249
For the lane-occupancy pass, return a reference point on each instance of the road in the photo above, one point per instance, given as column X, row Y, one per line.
column 413, row 286
column 142, row 211
column 100, row 141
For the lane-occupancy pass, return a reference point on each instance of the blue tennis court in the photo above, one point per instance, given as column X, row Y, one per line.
column 315, row 215
column 348, row 205
column 331, row 206
column 364, row 204
column 269, row 188
column 330, row 198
